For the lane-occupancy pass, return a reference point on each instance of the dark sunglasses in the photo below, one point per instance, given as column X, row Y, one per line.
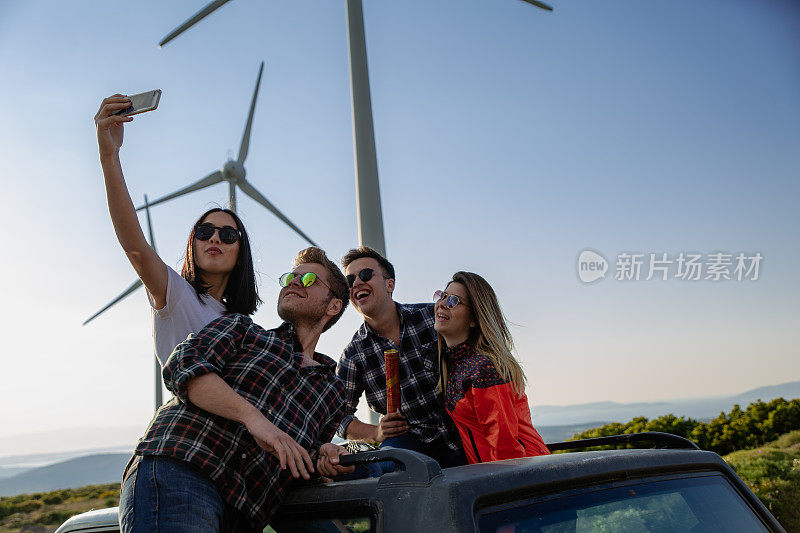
column 306, row 280
column 227, row 234
column 450, row 300
column 365, row 275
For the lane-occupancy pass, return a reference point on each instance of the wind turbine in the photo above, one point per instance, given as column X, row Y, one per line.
column 234, row 173
column 135, row 285
column 370, row 217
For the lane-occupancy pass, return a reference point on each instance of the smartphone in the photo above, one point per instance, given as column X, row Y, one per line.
column 141, row 103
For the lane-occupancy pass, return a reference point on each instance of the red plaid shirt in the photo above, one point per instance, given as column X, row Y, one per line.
column 263, row 366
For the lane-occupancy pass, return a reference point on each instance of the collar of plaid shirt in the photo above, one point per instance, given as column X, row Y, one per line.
column 403, row 311
column 289, row 336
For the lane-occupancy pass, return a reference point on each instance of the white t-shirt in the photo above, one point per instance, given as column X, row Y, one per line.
column 183, row 314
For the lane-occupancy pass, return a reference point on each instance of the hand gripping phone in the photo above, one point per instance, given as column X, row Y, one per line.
column 141, row 103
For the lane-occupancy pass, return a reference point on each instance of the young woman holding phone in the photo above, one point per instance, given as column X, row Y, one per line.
column 483, row 384
column 217, row 275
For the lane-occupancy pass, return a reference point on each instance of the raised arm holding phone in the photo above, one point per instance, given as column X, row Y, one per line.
column 217, row 276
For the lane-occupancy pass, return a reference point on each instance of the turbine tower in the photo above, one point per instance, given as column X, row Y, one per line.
column 135, row 285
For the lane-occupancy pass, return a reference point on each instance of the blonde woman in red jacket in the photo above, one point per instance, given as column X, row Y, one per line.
column 483, row 384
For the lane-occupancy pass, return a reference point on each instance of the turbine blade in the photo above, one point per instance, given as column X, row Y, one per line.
column 246, row 137
column 538, row 4
column 211, row 179
column 210, row 8
column 149, row 225
column 135, row 285
column 250, row 191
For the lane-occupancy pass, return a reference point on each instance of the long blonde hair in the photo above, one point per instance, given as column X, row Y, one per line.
column 490, row 336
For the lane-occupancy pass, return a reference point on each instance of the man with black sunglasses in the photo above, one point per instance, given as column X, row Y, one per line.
column 421, row 424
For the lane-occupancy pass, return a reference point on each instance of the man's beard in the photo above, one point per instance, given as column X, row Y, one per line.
column 302, row 316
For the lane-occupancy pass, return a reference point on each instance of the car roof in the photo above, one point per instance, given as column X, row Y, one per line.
column 99, row 520
column 544, row 471
column 427, row 497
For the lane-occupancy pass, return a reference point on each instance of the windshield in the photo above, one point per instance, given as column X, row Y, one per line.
column 697, row 504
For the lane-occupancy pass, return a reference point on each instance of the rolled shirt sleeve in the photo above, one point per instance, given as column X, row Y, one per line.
column 204, row 352
column 352, row 378
column 330, row 427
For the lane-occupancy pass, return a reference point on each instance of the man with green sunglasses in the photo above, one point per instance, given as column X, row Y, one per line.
column 421, row 423
column 240, row 391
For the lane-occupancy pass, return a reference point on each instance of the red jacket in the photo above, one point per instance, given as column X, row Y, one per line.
column 493, row 420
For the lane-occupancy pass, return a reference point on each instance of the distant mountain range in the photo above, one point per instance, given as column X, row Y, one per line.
column 44, row 472
column 65, row 440
column 88, row 470
column 698, row 408
column 562, row 433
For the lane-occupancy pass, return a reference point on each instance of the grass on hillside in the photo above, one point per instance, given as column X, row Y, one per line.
column 772, row 472
column 45, row 511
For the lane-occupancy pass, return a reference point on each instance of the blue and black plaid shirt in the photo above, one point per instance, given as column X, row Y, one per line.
column 264, row 367
column 361, row 368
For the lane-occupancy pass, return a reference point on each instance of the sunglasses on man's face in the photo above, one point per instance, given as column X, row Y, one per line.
column 365, row 275
column 227, row 234
column 306, row 280
column 450, row 300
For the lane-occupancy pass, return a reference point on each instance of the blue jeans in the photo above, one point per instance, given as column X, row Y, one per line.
column 171, row 496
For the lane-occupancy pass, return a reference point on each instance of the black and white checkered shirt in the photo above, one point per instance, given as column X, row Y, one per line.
column 361, row 368
column 264, row 367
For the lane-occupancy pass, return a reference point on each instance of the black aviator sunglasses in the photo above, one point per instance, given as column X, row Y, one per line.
column 365, row 275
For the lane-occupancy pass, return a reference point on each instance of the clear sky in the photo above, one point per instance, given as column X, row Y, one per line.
column 509, row 140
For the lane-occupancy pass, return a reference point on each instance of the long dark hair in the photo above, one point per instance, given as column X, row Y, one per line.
column 241, row 294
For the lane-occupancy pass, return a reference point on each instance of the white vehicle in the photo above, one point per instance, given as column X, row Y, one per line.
column 93, row 521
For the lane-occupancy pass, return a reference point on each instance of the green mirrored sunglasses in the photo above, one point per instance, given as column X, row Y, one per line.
column 306, row 280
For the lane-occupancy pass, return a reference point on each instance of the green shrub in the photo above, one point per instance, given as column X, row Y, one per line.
column 758, row 423
column 53, row 517
column 761, row 463
column 54, row 497
column 48, row 508
column 789, row 439
column 27, row 506
column 773, row 473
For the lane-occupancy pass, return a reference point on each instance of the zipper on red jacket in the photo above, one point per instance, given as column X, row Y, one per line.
column 474, row 447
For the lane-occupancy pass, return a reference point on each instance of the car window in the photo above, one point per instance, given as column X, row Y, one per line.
column 698, row 504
